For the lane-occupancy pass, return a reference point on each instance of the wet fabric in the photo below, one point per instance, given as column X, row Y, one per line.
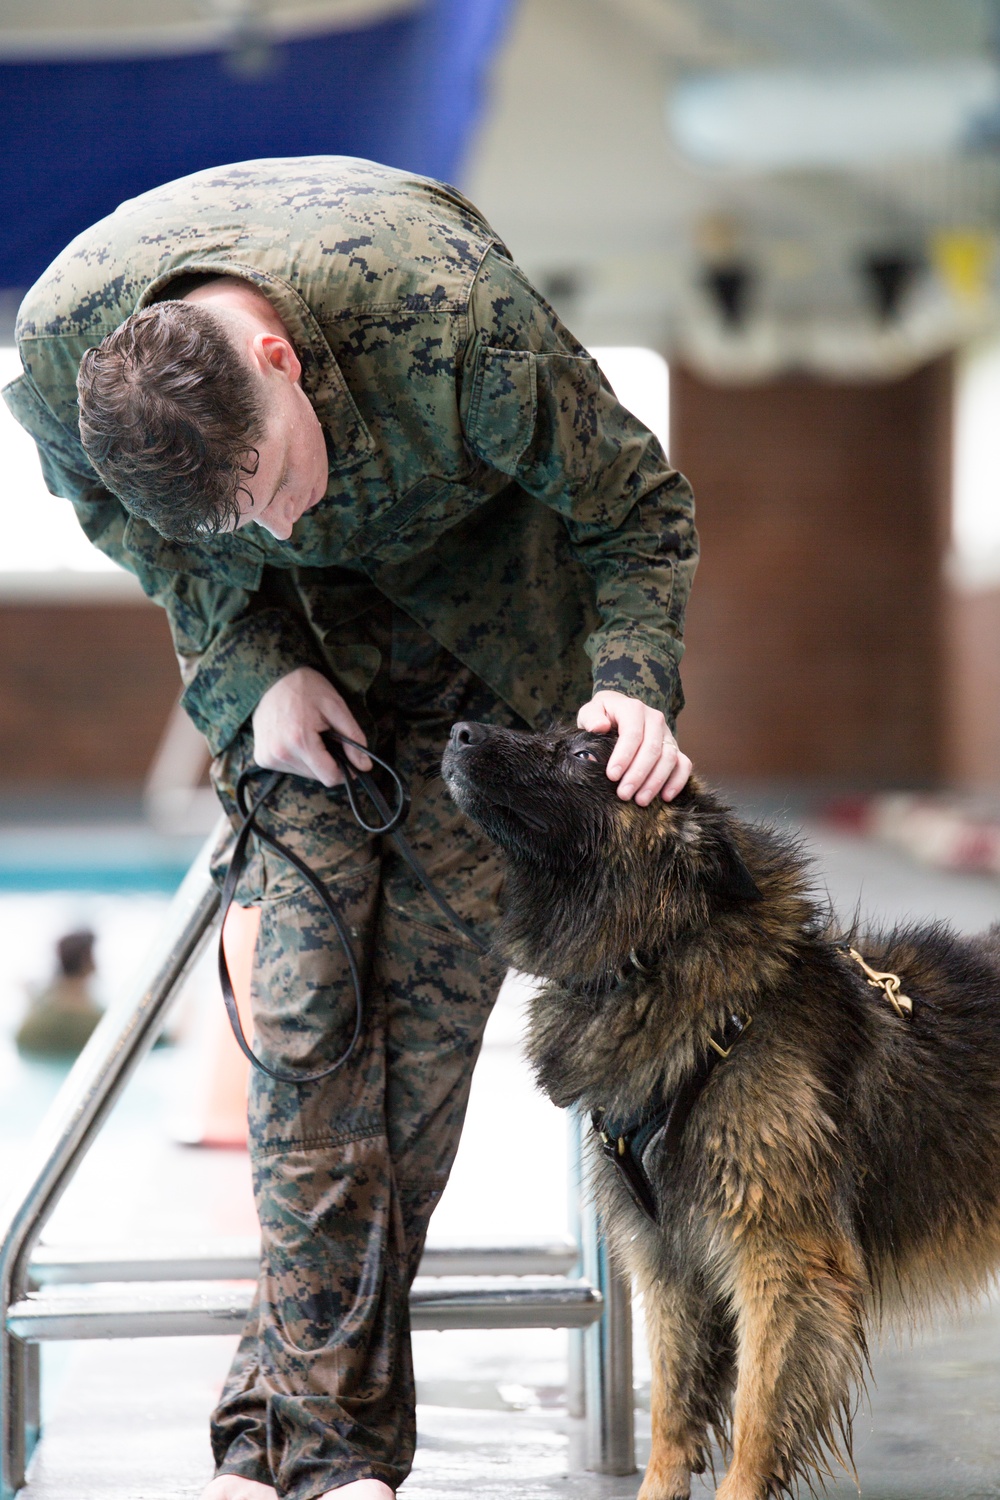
column 347, row 1171
column 482, row 473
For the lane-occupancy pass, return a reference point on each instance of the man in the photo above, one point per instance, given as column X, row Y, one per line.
column 377, row 487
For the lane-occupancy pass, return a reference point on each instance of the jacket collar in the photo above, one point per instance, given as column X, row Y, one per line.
column 349, row 442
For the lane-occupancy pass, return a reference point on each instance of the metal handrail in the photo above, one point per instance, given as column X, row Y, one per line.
column 119, row 1043
column 237, row 1259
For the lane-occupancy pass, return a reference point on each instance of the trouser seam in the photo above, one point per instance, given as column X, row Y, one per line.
column 320, row 1143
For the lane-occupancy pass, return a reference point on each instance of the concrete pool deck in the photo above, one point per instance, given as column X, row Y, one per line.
column 130, row 1419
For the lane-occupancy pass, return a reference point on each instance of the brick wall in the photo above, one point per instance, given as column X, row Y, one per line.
column 816, row 635
column 85, row 691
column 974, row 689
column 816, row 643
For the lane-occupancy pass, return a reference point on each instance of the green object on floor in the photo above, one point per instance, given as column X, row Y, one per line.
column 61, row 1018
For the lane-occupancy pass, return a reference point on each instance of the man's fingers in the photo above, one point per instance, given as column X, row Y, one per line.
column 630, row 737
column 300, row 755
column 669, row 776
column 316, row 762
column 594, row 717
column 678, row 778
column 358, row 759
column 645, row 761
column 659, row 775
column 339, row 718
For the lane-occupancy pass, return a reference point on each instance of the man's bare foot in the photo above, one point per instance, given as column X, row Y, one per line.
column 233, row 1487
column 361, row 1489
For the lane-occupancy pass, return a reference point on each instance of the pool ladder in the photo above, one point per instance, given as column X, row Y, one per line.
column 52, row 1294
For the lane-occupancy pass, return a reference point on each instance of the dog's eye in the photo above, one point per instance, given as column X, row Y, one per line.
column 584, row 755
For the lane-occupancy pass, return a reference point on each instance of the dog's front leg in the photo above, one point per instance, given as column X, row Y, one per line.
column 693, row 1360
column 798, row 1302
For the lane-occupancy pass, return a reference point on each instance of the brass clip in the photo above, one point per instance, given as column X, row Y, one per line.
column 725, row 1051
column 887, row 983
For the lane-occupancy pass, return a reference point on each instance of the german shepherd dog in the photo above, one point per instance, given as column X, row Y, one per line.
column 839, row 1166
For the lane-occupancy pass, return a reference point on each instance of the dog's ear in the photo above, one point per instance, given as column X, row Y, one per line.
column 733, row 881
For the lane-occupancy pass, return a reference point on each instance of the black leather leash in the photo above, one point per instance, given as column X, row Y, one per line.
column 391, row 823
column 627, row 1141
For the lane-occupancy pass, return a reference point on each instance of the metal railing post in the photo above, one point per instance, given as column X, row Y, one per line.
column 97, row 1079
column 576, row 1400
column 32, row 1397
column 610, row 1401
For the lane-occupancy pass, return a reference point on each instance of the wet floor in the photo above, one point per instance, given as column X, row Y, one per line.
column 130, row 1419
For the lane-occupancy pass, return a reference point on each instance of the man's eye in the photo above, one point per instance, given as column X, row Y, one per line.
column 585, row 755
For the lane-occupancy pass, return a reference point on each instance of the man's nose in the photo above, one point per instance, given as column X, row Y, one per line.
column 464, row 735
column 279, row 522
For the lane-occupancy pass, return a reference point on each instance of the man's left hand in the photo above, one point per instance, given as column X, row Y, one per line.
column 647, row 761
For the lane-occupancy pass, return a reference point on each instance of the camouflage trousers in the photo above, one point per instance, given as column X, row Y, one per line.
column 347, row 1171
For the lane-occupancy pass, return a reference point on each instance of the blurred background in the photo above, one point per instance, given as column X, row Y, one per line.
column 777, row 226
column 794, row 204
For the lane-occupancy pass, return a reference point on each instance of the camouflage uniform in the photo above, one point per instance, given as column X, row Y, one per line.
column 488, row 489
column 348, row 1170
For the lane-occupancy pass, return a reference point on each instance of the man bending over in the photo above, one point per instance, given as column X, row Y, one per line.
column 377, row 487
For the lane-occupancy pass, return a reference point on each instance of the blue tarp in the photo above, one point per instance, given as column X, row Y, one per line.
column 80, row 137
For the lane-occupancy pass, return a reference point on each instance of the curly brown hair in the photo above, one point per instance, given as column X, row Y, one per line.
column 170, row 418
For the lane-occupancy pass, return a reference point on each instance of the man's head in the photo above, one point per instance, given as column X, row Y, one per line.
column 193, row 414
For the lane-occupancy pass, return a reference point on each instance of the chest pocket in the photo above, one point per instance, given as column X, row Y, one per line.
column 418, row 518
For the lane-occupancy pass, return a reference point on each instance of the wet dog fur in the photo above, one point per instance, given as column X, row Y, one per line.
column 840, row 1167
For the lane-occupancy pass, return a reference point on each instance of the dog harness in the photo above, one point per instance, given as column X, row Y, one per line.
column 627, row 1142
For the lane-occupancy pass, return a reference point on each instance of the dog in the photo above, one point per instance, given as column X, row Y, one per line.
column 797, row 1129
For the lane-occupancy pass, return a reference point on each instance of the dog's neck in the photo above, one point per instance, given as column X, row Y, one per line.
column 674, row 970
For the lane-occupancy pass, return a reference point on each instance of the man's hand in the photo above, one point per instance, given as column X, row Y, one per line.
column 288, row 722
column 646, row 761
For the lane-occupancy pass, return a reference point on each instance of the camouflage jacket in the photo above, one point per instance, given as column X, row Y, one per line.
column 482, row 474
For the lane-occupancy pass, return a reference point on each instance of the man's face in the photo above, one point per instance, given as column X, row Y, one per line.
column 293, row 470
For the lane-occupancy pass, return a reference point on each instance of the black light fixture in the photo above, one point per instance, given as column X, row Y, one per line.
column 730, row 285
column 888, row 276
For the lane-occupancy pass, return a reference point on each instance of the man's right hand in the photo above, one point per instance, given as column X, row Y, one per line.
column 288, row 722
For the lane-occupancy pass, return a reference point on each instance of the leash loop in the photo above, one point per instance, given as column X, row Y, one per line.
column 392, row 819
column 888, row 983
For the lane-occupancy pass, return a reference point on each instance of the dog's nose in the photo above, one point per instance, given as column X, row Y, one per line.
column 464, row 735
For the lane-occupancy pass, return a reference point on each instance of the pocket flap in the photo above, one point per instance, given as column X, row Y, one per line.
column 503, row 406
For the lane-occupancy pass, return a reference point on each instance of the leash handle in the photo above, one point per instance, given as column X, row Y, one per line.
column 391, row 822
column 236, row 866
column 334, row 741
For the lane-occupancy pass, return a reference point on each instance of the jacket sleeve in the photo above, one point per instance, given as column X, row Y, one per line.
column 535, row 406
column 230, row 643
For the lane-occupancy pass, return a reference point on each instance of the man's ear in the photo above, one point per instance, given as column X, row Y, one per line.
column 272, row 352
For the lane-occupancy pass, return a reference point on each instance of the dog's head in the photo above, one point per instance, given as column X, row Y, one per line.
column 577, row 852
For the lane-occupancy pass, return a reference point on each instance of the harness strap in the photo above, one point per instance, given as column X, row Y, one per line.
column 627, row 1141
column 390, row 825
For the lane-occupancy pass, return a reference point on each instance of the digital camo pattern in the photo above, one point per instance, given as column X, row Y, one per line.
column 481, row 472
column 347, row 1171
